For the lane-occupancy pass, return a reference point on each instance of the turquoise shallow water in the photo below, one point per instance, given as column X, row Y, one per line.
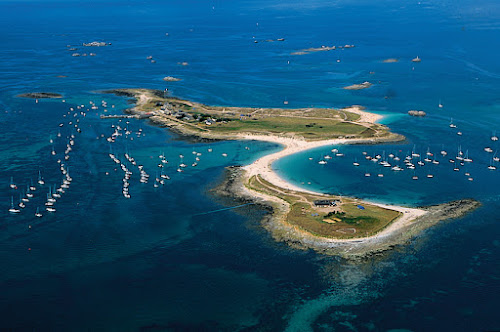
column 155, row 261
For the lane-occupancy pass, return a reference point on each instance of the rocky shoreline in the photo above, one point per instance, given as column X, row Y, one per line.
column 233, row 186
column 40, row 95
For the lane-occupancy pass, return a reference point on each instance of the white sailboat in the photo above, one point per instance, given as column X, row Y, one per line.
column 40, row 180
column 12, row 184
column 32, row 186
column 12, row 208
column 492, row 167
column 37, row 213
column 21, row 203
column 29, row 194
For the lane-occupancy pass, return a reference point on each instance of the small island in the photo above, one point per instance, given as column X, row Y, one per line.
column 417, row 113
column 171, row 79
column 390, row 60
column 321, row 49
column 364, row 85
column 331, row 224
column 40, row 95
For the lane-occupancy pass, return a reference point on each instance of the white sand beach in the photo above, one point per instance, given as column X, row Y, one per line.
column 263, row 167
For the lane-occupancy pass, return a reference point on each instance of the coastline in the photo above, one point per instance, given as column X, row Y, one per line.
column 399, row 230
column 40, row 95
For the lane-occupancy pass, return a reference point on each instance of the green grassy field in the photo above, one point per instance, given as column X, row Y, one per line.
column 309, row 123
column 353, row 223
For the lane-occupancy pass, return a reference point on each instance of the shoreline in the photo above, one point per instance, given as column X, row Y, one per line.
column 40, row 95
column 400, row 232
column 407, row 225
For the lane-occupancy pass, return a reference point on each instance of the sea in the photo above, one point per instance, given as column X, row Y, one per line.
column 176, row 257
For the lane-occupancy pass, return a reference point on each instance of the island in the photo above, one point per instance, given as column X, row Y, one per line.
column 417, row 113
column 361, row 86
column 40, row 95
column 330, row 224
column 171, row 79
column 321, row 49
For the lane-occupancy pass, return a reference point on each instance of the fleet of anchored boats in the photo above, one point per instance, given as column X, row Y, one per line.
column 414, row 159
column 120, row 131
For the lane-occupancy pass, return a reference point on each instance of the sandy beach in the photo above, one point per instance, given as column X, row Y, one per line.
column 410, row 222
column 263, row 167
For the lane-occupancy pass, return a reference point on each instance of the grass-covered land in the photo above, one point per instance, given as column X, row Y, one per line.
column 343, row 221
column 309, row 123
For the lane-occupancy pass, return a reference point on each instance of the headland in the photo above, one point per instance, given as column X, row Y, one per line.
column 40, row 95
column 330, row 224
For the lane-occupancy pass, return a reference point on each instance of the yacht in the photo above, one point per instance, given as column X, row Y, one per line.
column 25, row 199
column 29, row 194
column 12, row 184
column 322, row 162
column 37, row 213
column 21, row 203
column 467, row 159
column 50, row 209
column 40, row 180
column 430, row 176
column 452, row 125
column 488, row 149
column 12, row 208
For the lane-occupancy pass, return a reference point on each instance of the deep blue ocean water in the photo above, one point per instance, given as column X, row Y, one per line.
column 158, row 261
